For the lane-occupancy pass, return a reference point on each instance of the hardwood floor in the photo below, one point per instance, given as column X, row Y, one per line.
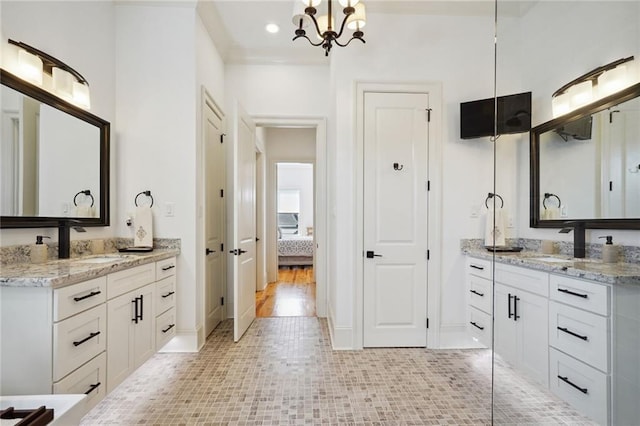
column 293, row 295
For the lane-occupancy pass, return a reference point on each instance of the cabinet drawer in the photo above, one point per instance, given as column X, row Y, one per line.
column 78, row 339
column 480, row 293
column 165, row 328
column 165, row 294
column 581, row 294
column 583, row 387
column 583, row 335
column 480, row 326
column 70, row 300
column 479, row 267
column 525, row 279
column 165, row 268
column 130, row 279
column 90, row 379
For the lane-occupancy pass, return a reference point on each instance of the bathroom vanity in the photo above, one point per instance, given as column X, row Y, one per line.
column 572, row 325
column 82, row 325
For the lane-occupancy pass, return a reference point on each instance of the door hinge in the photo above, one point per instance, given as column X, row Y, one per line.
column 222, row 193
column 221, row 247
column 222, row 135
column 428, row 185
column 222, row 301
column 610, row 185
column 428, row 115
column 427, row 322
column 428, row 254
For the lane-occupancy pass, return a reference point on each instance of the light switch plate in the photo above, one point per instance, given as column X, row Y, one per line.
column 169, row 209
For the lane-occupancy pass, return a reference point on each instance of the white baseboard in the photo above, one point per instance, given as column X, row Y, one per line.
column 185, row 341
column 456, row 337
column 341, row 337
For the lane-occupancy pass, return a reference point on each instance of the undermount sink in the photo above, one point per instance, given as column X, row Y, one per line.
column 103, row 259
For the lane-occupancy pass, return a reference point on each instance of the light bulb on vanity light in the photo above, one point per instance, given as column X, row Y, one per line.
column 581, row 94
column 62, row 83
column 560, row 105
column 612, row 81
column 81, row 96
column 30, row 67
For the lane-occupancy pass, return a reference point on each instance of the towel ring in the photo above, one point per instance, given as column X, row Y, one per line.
column 147, row 193
column 85, row 192
column 549, row 195
column 491, row 195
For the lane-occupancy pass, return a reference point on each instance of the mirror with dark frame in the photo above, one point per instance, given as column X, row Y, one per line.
column 585, row 165
column 55, row 160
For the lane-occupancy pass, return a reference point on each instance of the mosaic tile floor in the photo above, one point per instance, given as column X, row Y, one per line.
column 283, row 371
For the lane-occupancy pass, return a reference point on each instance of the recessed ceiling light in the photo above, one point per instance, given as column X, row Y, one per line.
column 272, row 28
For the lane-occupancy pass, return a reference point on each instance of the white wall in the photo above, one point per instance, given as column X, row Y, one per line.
column 600, row 32
column 299, row 177
column 81, row 35
column 157, row 100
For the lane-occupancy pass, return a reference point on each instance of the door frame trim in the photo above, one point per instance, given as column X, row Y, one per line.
column 320, row 181
column 434, row 219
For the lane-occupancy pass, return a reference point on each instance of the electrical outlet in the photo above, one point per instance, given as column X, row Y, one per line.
column 169, row 209
column 65, row 208
column 510, row 222
column 564, row 211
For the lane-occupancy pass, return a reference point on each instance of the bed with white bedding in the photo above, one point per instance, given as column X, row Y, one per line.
column 295, row 250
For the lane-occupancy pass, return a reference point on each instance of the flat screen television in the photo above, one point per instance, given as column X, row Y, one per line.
column 514, row 116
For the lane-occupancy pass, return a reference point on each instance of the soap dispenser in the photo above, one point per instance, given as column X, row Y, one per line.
column 39, row 251
column 609, row 250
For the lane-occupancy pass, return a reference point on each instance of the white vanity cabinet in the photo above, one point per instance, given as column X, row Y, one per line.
column 579, row 340
column 521, row 318
column 54, row 341
column 479, row 296
column 85, row 337
column 165, row 326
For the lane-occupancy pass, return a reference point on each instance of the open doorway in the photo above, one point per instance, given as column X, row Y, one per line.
column 291, row 219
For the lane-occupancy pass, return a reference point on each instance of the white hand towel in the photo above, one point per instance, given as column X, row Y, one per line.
column 494, row 236
column 551, row 213
column 143, row 236
column 83, row 211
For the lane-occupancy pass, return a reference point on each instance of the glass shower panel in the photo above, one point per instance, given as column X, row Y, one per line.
column 542, row 46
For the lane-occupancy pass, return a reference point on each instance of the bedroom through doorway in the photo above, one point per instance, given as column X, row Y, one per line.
column 293, row 293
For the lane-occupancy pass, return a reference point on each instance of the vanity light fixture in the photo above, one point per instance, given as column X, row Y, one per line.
column 594, row 85
column 304, row 14
column 67, row 83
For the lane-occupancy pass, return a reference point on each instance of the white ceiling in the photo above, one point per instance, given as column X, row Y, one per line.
column 238, row 26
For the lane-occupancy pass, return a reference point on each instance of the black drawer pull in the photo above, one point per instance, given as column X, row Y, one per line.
column 89, row 337
column 478, row 293
column 566, row 330
column 92, row 388
column 567, row 381
column 166, row 268
column 168, row 294
column 564, row 290
column 168, row 328
column 509, row 305
column 477, row 267
column 476, row 325
column 93, row 293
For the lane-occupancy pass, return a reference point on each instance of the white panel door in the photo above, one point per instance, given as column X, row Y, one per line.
column 504, row 327
column 214, row 217
column 244, row 282
column 395, row 219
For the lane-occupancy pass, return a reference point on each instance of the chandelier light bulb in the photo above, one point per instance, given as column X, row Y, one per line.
column 311, row 3
column 358, row 19
column 349, row 3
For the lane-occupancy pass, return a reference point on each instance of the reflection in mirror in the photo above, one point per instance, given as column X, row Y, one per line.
column 587, row 166
column 599, row 152
column 54, row 160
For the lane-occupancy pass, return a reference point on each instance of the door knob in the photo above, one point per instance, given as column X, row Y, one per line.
column 240, row 251
column 209, row 251
column 371, row 254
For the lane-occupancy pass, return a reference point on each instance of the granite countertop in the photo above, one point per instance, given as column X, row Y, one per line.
column 58, row 273
column 589, row 269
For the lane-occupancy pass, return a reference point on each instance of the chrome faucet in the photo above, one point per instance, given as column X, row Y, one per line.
column 64, row 236
column 578, row 229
